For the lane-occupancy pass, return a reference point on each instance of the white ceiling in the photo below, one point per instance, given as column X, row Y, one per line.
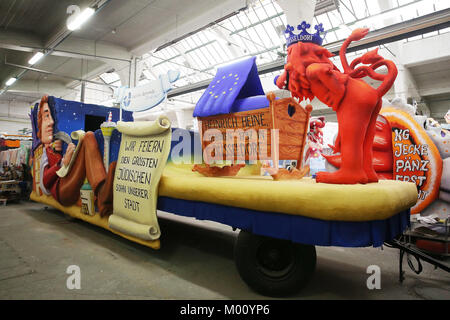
column 119, row 27
column 137, row 21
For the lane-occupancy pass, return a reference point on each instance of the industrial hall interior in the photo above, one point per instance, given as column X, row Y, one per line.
column 224, row 150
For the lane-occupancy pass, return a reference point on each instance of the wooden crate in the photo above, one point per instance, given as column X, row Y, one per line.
column 248, row 131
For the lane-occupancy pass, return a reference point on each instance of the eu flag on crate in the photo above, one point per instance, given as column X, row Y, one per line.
column 232, row 84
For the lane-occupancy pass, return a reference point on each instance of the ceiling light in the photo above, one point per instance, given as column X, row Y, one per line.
column 37, row 56
column 80, row 18
column 10, row 81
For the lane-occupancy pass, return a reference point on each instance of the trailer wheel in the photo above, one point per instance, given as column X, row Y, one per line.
column 273, row 267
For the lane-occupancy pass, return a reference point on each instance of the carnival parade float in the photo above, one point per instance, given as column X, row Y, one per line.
column 118, row 175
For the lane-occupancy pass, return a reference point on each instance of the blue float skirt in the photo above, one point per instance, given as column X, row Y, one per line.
column 293, row 227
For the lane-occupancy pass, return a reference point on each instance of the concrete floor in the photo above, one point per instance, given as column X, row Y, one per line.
column 194, row 262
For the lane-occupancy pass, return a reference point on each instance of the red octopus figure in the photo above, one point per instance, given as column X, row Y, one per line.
column 310, row 73
column 383, row 156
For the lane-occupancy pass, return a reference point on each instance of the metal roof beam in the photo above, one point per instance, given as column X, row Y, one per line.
column 428, row 23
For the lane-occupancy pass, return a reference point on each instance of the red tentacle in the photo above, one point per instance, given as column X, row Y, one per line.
column 342, row 53
column 356, row 35
column 388, row 79
column 355, row 62
column 364, row 71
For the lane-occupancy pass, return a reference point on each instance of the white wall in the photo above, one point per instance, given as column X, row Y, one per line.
column 439, row 108
column 14, row 109
column 14, row 116
column 12, row 126
column 94, row 94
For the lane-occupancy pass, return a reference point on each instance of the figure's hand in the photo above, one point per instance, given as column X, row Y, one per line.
column 69, row 154
column 358, row 34
column 280, row 81
column 57, row 145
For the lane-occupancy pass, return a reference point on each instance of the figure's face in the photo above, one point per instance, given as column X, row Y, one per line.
column 447, row 117
column 300, row 56
column 47, row 125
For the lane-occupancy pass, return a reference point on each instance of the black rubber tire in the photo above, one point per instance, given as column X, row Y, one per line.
column 273, row 267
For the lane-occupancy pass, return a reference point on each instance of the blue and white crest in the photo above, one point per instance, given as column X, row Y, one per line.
column 126, row 100
column 147, row 96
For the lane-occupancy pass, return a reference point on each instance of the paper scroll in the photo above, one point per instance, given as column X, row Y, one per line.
column 76, row 135
column 142, row 157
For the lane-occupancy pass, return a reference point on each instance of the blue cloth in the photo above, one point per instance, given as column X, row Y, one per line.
column 185, row 145
column 250, row 103
column 100, row 141
column 292, row 227
column 235, row 81
column 70, row 116
column 114, row 144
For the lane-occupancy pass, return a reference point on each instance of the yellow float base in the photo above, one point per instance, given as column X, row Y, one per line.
column 304, row 197
column 75, row 212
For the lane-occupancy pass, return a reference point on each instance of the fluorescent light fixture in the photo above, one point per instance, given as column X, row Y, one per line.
column 10, row 81
column 37, row 56
column 81, row 18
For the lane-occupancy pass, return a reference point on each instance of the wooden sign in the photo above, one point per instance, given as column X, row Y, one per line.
column 240, row 132
column 247, row 135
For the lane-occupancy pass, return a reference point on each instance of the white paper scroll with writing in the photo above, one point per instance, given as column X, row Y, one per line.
column 142, row 157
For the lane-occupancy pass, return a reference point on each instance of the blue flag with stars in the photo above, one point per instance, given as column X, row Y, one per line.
column 235, row 81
